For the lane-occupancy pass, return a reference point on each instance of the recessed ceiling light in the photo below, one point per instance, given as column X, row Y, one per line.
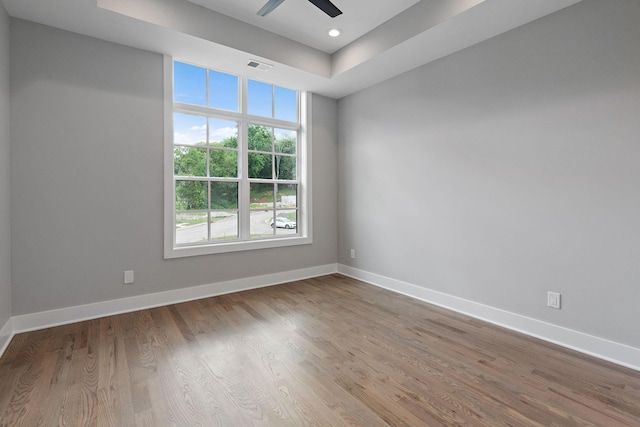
column 334, row 32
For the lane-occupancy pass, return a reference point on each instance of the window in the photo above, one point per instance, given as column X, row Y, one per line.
column 236, row 163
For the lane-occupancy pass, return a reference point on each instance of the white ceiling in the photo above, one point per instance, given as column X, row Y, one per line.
column 383, row 38
column 300, row 20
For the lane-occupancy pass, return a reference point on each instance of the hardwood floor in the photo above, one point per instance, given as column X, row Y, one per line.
column 330, row 351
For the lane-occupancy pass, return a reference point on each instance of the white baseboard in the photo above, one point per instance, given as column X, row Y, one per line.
column 46, row 319
column 620, row 354
column 6, row 333
column 614, row 352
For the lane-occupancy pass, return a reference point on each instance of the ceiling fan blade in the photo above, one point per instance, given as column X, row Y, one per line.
column 269, row 6
column 327, row 7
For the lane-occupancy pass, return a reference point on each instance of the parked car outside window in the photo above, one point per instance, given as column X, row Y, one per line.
column 283, row 223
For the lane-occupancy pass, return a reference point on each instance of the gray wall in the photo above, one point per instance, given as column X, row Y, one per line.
column 506, row 170
column 87, row 178
column 5, row 193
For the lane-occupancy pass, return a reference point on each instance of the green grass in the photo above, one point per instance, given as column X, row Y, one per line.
column 188, row 222
column 267, row 196
column 292, row 216
column 196, row 221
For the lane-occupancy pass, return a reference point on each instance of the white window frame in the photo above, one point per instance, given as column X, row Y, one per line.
column 304, row 219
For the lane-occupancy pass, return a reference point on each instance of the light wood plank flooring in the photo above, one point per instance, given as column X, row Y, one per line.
column 330, row 351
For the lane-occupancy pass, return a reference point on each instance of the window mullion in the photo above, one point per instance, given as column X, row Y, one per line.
column 243, row 172
column 244, row 202
column 208, row 166
column 209, row 210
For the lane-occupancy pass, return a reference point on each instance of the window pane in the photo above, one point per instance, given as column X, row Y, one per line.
column 287, row 196
column 260, row 138
column 286, row 104
column 260, row 225
column 224, row 195
column 189, row 161
column 262, row 213
column 189, row 129
column 261, row 196
column 191, row 227
column 286, row 141
column 285, row 167
column 191, row 195
column 260, row 98
column 189, row 84
column 286, row 222
column 223, row 164
column 223, row 91
column 223, row 133
column 224, row 225
column 260, row 166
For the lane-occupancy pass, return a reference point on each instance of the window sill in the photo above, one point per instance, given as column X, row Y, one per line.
column 218, row 248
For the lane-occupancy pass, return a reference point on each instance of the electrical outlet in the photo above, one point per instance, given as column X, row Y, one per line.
column 553, row 299
column 128, row 276
column 353, row 253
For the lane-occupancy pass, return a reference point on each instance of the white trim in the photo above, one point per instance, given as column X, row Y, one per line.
column 614, row 352
column 169, row 205
column 63, row 316
column 305, row 207
column 6, row 334
column 197, row 250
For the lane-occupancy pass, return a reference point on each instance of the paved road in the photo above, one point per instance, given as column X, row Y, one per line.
column 228, row 227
